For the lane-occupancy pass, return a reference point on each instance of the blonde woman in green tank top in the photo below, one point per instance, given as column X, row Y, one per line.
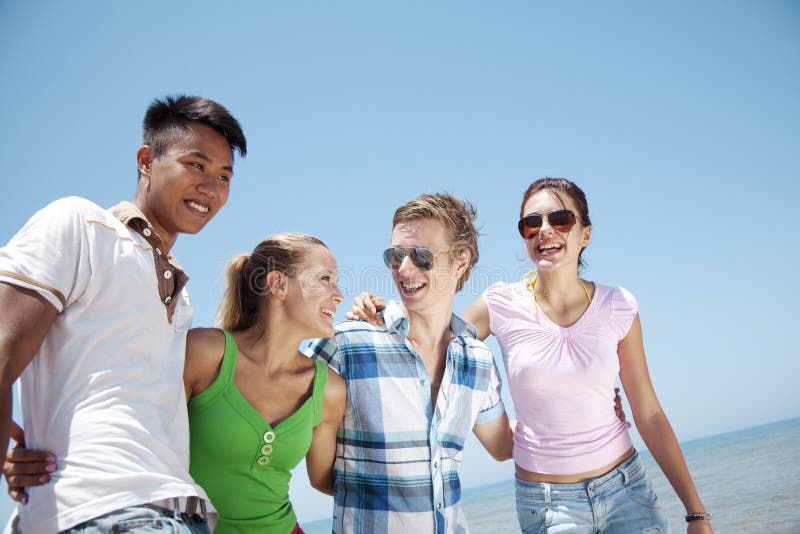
column 257, row 406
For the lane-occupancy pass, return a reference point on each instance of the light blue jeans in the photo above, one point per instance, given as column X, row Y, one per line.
column 142, row 519
column 620, row 502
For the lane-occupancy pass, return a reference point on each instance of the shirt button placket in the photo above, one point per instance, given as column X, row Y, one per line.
column 266, row 449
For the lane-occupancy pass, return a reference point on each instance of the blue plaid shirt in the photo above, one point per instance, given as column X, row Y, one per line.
column 396, row 467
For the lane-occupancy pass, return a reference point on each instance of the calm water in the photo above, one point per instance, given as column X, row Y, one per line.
column 749, row 479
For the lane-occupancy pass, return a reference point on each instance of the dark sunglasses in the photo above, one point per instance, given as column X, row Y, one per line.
column 421, row 257
column 561, row 220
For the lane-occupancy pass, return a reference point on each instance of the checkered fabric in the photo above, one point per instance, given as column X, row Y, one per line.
column 396, row 467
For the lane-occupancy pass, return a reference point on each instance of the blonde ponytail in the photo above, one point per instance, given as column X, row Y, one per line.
column 245, row 277
column 238, row 309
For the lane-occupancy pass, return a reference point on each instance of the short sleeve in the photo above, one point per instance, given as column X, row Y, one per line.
column 623, row 310
column 325, row 350
column 492, row 406
column 494, row 295
column 50, row 254
column 504, row 304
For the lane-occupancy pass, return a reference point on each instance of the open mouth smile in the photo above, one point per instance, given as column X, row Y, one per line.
column 548, row 249
column 196, row 207
column 409, row 288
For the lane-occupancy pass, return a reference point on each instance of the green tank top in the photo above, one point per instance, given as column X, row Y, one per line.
column 240, row 460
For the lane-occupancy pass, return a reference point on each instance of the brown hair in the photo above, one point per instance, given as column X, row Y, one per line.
column 457, row 216
column 557, row 185
column 240, row 306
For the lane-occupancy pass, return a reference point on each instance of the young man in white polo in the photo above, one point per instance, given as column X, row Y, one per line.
column 93, row 318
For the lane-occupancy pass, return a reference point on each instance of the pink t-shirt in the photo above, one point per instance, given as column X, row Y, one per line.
column 562, row 379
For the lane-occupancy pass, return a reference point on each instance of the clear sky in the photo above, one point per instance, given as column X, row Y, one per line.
column 681, row 121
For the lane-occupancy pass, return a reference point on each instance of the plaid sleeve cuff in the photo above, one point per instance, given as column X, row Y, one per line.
column 325, row 350
column 490, row 414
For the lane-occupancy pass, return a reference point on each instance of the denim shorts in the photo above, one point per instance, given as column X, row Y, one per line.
column 142, row 519
column 621, row 501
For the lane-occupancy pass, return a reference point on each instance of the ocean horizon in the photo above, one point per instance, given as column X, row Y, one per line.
column 748, row 478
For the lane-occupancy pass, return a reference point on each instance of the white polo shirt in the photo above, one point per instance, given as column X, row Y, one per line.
column 105, row 391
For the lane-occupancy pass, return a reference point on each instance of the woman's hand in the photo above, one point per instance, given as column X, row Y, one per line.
column 618, row 408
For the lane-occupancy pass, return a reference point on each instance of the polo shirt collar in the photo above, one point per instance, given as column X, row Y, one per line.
column 130, row 215
column 170, row 275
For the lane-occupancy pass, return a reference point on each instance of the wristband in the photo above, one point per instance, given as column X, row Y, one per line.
column 702, row 516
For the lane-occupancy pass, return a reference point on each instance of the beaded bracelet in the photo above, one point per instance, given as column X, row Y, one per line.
column 696, row 517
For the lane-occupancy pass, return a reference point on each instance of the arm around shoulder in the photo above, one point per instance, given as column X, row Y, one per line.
column 320, row 457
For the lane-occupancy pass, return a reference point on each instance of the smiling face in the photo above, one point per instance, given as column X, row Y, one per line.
column 181, row 190
column 421, row 290
column 552, row 249
column 313, row 293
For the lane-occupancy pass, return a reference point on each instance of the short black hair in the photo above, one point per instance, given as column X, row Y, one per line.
column 170, row 118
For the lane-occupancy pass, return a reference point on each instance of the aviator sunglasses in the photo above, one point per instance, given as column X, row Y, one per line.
column 421, row 257
column 561, row 220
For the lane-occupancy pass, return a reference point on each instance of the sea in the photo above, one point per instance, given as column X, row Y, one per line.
column 749, row 479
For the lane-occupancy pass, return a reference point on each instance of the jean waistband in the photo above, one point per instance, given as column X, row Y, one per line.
column 628, row 470
column 191, row 506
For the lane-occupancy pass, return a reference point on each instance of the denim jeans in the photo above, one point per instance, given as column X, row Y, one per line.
column 620, row 502
column 142, row 519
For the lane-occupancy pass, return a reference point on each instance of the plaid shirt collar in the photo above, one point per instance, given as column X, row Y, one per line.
column 396, row 321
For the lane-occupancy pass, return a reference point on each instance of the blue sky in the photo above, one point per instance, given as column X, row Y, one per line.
column 680, row 120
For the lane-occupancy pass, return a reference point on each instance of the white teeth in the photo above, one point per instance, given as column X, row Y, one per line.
column 198, row 207
column 549, row 246
column 326, row 311
column 412, row 288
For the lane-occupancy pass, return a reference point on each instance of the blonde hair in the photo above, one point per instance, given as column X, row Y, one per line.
column 458, row 217
column 246, row 273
